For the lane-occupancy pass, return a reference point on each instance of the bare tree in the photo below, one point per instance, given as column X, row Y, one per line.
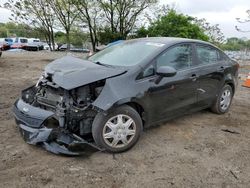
column 122, row 15
column 157, row 11
column 36, row 13
column 242, row 21
column 109, row 7
column 90, row 13
column 66, row 15
column 213, row 31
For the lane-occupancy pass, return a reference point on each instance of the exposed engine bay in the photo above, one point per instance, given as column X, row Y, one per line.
column 73, row 109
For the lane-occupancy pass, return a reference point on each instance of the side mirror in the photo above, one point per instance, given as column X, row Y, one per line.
column 166, row 71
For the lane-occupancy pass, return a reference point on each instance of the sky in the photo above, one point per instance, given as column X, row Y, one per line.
column 222, row 12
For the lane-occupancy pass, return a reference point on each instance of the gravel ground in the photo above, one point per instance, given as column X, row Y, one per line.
column 190, row 151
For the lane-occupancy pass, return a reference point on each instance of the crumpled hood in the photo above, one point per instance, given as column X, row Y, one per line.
column 70, row 72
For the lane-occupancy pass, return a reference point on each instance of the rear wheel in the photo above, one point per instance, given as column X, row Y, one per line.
column 223, row 101
column 119, row 130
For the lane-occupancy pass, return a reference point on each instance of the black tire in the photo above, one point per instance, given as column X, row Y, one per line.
column 216, row 107
column 100, row 121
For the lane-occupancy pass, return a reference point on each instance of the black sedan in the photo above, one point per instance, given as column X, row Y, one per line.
column 106, row 101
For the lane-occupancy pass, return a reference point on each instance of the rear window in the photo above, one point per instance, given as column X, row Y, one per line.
column 206, row 54
column 223, row 57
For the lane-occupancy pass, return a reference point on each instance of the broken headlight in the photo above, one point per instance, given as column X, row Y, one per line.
column 43, row 76
column 28, row 94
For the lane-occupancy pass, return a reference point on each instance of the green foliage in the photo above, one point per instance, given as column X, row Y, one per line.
column 142, row 32
column 3, row 31
column 11, row 29
column 106, row 36
column 174, row 25
column 235, row 44
column 77, row 37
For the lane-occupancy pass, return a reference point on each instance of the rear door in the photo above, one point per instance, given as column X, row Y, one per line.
column 211, row 73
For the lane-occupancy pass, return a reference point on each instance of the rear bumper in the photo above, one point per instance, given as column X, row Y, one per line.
column 30, row 121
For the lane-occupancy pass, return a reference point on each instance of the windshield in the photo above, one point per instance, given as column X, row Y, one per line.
column 126, row 54
column 8, row 40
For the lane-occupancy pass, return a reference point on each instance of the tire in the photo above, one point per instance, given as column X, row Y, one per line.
column 220, row 108
column 123, row 123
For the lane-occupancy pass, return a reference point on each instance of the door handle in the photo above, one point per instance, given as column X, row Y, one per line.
column 221, row 69
column 194, row 77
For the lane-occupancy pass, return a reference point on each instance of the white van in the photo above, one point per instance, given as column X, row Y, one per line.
column 34, row 44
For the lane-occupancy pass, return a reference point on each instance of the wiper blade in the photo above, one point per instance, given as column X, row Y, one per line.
column 99, row 63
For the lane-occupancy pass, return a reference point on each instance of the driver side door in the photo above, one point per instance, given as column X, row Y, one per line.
column 175, row 95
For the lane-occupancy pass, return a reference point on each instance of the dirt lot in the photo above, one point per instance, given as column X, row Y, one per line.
column 191, row 151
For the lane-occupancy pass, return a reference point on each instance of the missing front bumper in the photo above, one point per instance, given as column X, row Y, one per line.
column 30, row 120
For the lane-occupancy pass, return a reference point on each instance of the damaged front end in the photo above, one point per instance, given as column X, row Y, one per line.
column 58, row 119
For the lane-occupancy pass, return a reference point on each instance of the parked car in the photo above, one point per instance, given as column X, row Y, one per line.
column 106, row 101
column 63, row 47
column 82, row 50
column 34, row 45
column 46, row 46
column 9, row 41
column 5, row 44
column 115, row 43
column 101, row 47
column 19, row 43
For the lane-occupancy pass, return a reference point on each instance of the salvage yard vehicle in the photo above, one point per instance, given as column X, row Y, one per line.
column 5, row 43
column 105, row 101
column 34, row 45
column 47, row 46
column 19, row 43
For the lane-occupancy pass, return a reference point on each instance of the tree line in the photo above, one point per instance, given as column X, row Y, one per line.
column 104, row 21
column 236, row 44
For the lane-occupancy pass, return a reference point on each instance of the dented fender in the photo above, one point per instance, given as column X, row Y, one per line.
column 115, row 93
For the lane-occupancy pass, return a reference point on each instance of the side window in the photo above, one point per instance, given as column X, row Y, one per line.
column 206, row 54
column 223, row 57
column 149, row 71
column 178, row 57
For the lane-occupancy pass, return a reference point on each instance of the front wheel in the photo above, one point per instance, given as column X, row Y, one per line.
column 223, row 101
column 117, row 131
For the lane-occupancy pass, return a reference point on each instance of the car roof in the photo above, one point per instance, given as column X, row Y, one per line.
column 170, row 40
